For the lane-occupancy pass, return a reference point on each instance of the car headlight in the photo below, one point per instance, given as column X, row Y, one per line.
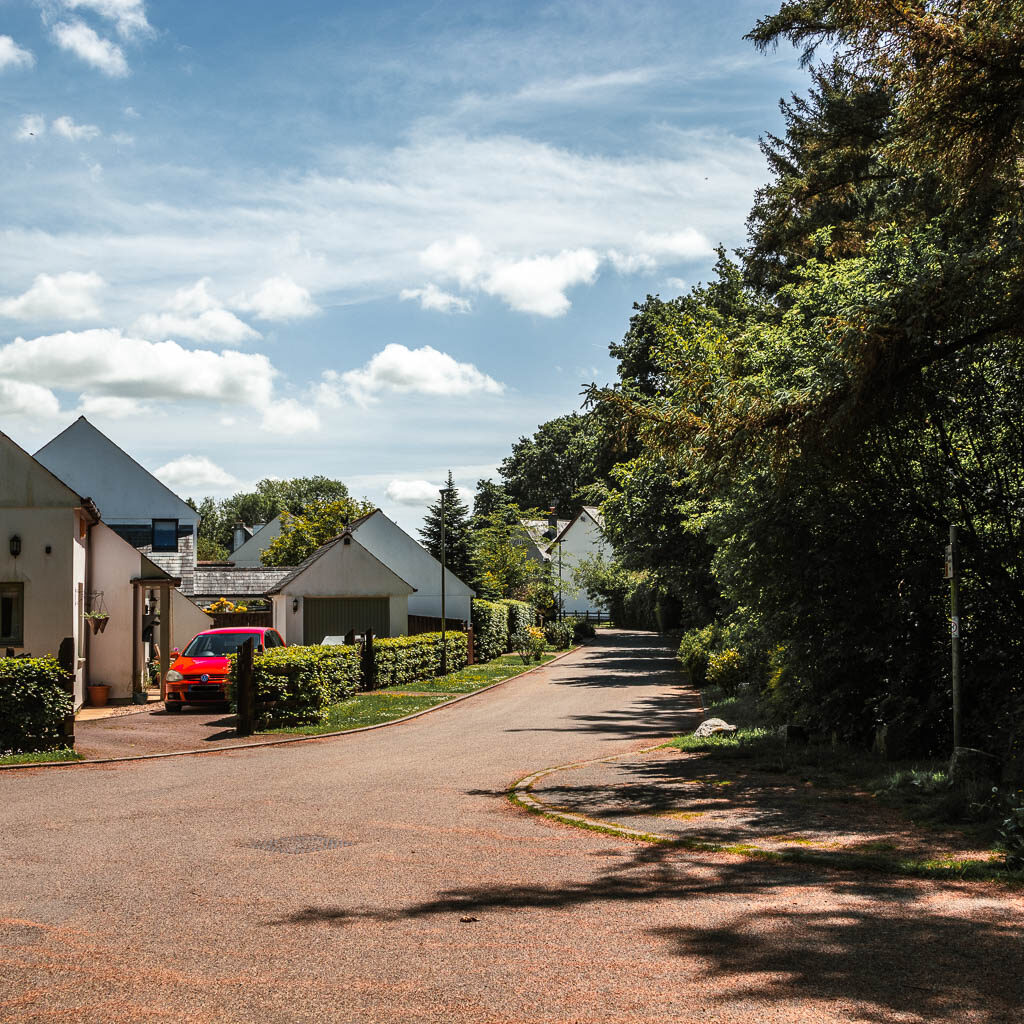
column 173, row 677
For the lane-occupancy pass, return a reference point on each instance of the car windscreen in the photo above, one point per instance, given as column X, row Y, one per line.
column 219, row 645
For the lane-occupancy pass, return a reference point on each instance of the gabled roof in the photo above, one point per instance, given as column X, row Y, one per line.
column 58, row 455
column 324, row 548
column 57, row 488
column 590, row 510
column 537, row 530
column 212, row 581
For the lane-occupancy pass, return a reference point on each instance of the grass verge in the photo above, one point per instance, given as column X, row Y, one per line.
column 379, row 706
column 41, row 756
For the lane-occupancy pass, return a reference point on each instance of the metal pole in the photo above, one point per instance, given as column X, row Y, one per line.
column 444, row 620
column 954, row 612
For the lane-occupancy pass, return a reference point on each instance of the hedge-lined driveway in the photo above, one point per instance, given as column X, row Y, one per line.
column 385, row 877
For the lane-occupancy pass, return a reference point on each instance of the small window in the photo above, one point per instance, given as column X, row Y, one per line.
column 12, row 614
column 165, row 534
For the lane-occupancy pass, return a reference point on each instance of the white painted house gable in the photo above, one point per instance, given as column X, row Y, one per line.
column 410, row 560
column 133, row 502
column 583, row 537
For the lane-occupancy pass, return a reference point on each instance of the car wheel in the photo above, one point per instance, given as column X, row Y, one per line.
column 175, row 707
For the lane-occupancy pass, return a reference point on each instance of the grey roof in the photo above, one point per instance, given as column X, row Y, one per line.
column 591, row 510
column 212, row 581
column 538, row 530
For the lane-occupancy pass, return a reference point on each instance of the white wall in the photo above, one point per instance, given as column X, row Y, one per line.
column 414, row 564
column 583, row 539
column 114, row 564
column 187, row 619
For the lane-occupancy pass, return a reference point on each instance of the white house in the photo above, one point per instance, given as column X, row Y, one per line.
column 341, row 587
column 58, row 562
column 581, row 537
column 412, row 562
column 251, row 542
column 135, row 504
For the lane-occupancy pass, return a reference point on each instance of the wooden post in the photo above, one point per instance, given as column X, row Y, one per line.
column 245, row 691
column 165, row 637
column 954, row 619
column 66, row 659
column 350, row 637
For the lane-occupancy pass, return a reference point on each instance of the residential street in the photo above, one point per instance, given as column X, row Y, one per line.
column 191, row 889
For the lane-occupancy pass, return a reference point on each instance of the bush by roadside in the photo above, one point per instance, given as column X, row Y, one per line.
column 490, row 629
column 401, row 660
column 33, row 703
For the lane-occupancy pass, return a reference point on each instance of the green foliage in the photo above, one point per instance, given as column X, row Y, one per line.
column 503, row 566
column 456, row 532
column 33, row 703
column 560, row 634
column 490, row 629
column 302, row 533
column 401, row 660
column 303, row 682
column 528, row 642
column 208, row 550
column 1011, row 831
column 521, row 616
column 582, row 630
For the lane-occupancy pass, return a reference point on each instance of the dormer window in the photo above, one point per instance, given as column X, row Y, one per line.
column 165, row 534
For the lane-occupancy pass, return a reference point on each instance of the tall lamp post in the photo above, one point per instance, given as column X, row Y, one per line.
column 445, row 491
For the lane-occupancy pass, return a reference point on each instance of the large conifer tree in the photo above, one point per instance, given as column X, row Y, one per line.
column 456, row 528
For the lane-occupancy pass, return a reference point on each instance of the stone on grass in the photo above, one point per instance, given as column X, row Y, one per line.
column 711, row 727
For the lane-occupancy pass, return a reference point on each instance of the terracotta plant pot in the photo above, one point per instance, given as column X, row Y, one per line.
column 98, row 694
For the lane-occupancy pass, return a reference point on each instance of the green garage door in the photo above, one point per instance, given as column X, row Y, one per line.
column 335, row 616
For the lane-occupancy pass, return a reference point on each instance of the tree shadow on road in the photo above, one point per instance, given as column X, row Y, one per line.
column 870, row 949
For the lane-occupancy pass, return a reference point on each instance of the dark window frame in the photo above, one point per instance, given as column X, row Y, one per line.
column 18, row 588
column 165, row 547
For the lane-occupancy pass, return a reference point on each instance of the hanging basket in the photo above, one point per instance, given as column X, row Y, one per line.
column 97, row 623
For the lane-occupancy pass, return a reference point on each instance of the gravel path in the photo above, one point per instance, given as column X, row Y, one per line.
column 386, row 877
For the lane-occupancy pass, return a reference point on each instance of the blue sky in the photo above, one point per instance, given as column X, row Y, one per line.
column 371, row 241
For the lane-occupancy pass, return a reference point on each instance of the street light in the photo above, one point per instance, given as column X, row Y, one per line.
column 445, row 491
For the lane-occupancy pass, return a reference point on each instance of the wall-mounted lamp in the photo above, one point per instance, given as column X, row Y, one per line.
column 15, row 546
column 295, row 604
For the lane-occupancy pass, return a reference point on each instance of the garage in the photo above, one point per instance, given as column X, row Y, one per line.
column 335, row 616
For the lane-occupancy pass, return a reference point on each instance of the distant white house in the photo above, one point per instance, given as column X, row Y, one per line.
column 539, row 535
column 581, row 537
column 58, row 562
column 135, row 504
column 372, row 576
column 251, row 541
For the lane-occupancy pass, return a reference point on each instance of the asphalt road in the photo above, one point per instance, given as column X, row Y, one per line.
column 385, row 877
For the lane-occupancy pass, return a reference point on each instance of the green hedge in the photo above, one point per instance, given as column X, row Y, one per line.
column 401, row 660
column 520, row 618
column 33, row 703
column 303, row 682
column 490, row 629
column 559, row 634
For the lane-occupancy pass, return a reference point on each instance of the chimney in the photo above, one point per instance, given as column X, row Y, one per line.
column 238, row 537
column 552, row 519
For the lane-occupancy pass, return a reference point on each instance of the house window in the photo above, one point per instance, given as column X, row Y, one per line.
column 165, row 534
column 12, row 614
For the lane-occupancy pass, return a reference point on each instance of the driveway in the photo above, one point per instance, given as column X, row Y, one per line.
column 386, row 877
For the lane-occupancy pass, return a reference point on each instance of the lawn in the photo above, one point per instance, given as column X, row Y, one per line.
column 64, row 754
column 386, row 705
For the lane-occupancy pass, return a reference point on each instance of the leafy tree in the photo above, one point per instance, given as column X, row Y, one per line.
column 489, row 498
column 456, row 531
column 210, row 551
column 503, row 566
column 302, row 533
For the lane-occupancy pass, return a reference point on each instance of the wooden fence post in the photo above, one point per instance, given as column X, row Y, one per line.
column 245, row 691
column 66, row 659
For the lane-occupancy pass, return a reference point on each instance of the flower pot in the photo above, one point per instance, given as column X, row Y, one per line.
column 102, row 626
column 98, row 694
column 98, row 625
column 140, row 698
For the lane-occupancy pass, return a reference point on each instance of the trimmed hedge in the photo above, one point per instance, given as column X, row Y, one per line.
column 559, row 634
column 400, row 660
column 520, row 618
column 303, row 682
column 490, row 629
column 33, row 703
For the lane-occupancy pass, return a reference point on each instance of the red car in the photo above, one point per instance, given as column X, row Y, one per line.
column 199, row 675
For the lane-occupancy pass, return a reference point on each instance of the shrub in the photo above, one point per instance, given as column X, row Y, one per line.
column 303, row 682
column 582, row 630
column 490, row 629
column 520, row 618
column 400, row 660
column 528, row 643
column 560, row 634
column 695, row 650
column 33, row 703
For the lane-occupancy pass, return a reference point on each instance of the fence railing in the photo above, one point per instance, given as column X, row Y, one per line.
column 222, row 619
column 431, row 624
column 595, row 617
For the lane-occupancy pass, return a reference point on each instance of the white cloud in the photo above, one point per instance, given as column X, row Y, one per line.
column 195, row 298
column 462, row 259
column 678, row 284
column 288, row 416
column 112, row 407
column 631, row 262
column 129, row 16
column 195, row 472
column 81, row 40
column 538, row 284
column 412, row 492
column 213, row 325
column 688, row 244
column 75, row 132
column 104, row 362
column 278, row 298
column 67, row 296
column 31, row 126
column 14, row 56
column 432, row 297
column 20, row 398
column 402, row 370
column 131, row 112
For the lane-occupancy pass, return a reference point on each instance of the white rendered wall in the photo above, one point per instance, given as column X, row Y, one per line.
column 187, row 619
column 582, row 540
column 114, row 564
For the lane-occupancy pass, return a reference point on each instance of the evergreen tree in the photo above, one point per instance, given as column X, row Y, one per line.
column 456, row 531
